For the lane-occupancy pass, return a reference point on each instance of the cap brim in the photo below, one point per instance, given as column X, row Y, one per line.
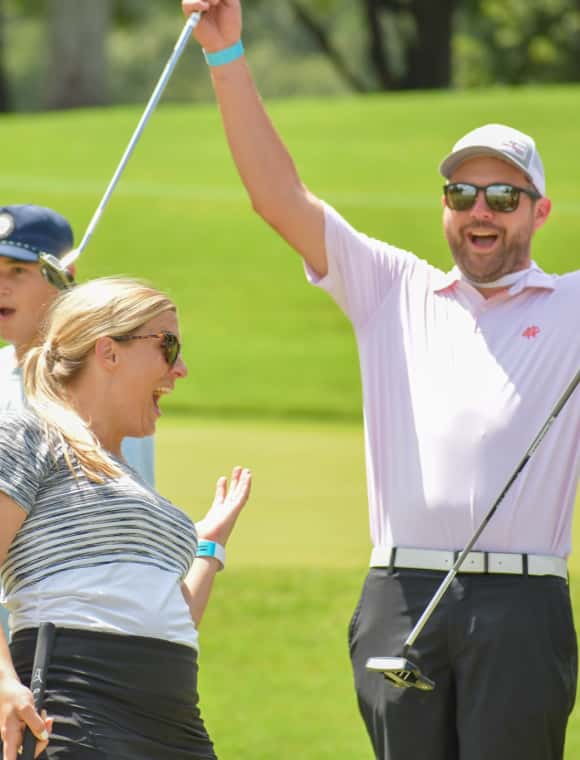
column 15, row 252
column 453, row 160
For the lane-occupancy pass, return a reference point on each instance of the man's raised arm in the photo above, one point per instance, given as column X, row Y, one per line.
column 264, row 164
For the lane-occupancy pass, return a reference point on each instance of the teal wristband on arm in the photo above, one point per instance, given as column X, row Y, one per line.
column 227, row 55
column 211, row 549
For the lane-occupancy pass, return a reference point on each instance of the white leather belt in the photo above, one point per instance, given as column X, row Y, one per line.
column 475, row 562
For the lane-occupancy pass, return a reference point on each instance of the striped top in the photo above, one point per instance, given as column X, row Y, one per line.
column 73, row 523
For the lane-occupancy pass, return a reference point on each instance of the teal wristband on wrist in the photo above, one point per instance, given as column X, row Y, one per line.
column 211, row 549
column 227, row 55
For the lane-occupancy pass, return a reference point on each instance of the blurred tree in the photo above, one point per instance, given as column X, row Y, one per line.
column 321, row 34
column 520, row 41
column 412, row 44
column 428, row 51
column 77, row 34
column 408, row 41
column 4, row 97
column 59, row 51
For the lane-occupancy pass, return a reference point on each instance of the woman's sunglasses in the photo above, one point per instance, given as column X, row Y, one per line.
column 170, row 345
column 461, row 196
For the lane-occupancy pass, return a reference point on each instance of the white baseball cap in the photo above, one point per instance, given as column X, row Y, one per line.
column 502, row 142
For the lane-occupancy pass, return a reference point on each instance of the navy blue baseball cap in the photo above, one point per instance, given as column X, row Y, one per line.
column 27, row 231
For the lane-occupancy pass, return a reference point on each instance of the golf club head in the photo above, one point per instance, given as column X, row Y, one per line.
column 55, row 273
column 400, row 672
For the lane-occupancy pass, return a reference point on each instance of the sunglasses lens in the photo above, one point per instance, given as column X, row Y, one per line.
column 460, row 196
column 504, row 198
column 171, row 348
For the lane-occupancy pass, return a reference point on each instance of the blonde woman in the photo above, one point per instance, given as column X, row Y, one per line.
column 87, row 544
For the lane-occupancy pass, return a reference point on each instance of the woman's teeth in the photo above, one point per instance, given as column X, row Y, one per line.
column 158, row 392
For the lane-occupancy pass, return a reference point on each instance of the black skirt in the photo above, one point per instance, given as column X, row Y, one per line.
column 118, row 697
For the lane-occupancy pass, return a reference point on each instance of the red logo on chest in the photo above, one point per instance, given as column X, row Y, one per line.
column 531, row 332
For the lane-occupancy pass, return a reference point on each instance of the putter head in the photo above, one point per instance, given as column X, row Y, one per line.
column 400, row 672
column 55, row 273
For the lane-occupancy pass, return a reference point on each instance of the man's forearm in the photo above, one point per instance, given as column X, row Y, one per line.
column 263, row 162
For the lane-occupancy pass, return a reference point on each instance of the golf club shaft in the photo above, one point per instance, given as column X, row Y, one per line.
column 180, row 45
column 447, row 581
column 44, row 645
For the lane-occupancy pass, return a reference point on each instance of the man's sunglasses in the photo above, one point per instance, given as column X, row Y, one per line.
column 499, row 196
column 170, row 345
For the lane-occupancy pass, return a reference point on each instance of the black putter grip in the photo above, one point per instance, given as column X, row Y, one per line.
column 44, row 644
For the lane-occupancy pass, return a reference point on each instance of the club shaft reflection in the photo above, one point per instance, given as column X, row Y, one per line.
column 448, row 580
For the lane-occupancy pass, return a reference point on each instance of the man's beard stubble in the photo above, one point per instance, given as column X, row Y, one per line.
column 512, row 256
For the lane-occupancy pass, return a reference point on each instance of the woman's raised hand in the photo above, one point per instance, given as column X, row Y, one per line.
column 229, row 500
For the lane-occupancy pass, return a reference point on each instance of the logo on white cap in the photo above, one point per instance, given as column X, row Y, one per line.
column 520, row 149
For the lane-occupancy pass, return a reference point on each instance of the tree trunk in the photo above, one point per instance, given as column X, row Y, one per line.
column 318, row 31
column 77, row 35
column 575, row 53
column 377, row 53
column 4, row 97
column 429, row 55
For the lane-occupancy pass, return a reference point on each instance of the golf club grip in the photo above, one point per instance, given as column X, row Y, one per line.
column 42, row 653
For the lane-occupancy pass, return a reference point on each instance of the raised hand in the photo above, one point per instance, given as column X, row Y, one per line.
column 220, row 25
column 221, row 517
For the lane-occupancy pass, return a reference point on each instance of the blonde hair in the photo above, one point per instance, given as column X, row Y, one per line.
column 109, row 306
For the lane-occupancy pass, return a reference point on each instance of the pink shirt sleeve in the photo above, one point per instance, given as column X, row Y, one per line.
column 361, row 270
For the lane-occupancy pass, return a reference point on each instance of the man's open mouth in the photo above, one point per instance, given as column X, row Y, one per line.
column 5, row 312
column 483, row 241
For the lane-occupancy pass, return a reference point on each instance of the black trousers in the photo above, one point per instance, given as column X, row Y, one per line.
column 118, row 697
column 501, row 649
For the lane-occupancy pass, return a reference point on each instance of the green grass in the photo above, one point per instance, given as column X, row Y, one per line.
column 258, row 341
column 275, row 677
column 301, row 471
column 274, row 668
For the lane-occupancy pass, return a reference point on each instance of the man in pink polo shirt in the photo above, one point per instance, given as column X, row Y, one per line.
column 459, row 372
